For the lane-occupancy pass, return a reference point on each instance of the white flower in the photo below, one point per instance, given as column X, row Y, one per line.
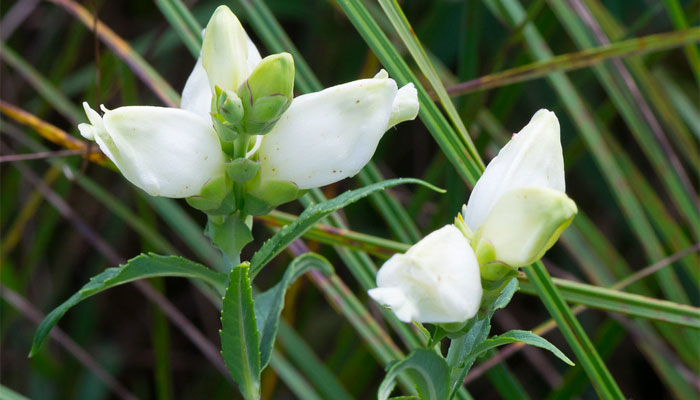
column 436, row 281
column 519, row 207
column 330, row 135
column 164, row 151
column 322, row 137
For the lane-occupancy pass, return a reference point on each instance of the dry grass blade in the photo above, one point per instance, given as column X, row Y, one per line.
column 51, row 132
column 578, row 60
column 121, row 48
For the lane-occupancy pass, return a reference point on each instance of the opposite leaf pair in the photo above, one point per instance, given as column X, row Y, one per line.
column 515, row 213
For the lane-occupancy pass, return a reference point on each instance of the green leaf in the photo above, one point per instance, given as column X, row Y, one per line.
column 526, row 337
column 311, row 215
column 426, row 368
column 458, row 356
column 143, row 266
column 230, row 234
column 269, row 304
column 239, row 333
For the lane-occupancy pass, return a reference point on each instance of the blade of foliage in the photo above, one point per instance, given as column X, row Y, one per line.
column 185, row 25
column 50, row 132
column 55, row 97
column 426, row 368
column 300, row 353
column 240, row 344
column 625, row 303
column 140, row 267
column 9, row 394
column 602, row 380
column 294, row 380
column 581, row 59
column 311, row 215
column 398, row 220
column 121, row 48
column 580, row 293
column 588, row 126
column 516, row 335
column 675, row 11
column 448, row 140
column 642, row 124
column 460, row 348
column 403, row 28
column 269, row 304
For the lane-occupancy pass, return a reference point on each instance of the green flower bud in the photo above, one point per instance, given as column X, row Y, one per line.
column 267, row 93
column 523, row 224
column 229, row 106
column 226, row 112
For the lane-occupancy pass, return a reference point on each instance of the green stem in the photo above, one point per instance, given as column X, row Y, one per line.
column 240, row 148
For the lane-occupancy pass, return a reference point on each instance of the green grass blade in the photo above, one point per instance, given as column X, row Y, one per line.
column 586, row 353
column 624, row 303
column 589, row 129
column 43, row 86
column 184, row 24
column 637, row 115
column 448, row 140
column 675, row 11
column 403, row 28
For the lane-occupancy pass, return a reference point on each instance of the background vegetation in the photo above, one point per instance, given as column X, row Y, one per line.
column 621, row 76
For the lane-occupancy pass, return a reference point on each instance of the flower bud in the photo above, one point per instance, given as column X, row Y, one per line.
column 225, row 50
column 267, row 93
column 436, row 281
column 226, row 114
column 518, row 208
column 229, row 105
column 523, row 224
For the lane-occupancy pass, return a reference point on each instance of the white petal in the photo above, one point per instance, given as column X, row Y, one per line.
column 225, row 50
column 254, row 57
column 532, row 158
column 405, row 106
column 329, row 135
column 525, row 223
column 196, row 96
column 436, row 281
column 164, row 151
column 395, row 299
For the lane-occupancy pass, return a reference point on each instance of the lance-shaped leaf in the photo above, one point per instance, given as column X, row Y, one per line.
column 526, row 337
column 269, row 304
column 140, row 267
column 311, row 215
column 428, row 371
column 240, row 345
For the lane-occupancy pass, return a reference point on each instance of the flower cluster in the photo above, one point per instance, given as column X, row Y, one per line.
column 515, row 213
column 240, row 141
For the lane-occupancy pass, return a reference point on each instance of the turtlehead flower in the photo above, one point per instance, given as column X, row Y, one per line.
column 435, row 281
column 330, row 135
column 305, row 142
column 322, row 137
column 519, row 207
column 164, row 151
